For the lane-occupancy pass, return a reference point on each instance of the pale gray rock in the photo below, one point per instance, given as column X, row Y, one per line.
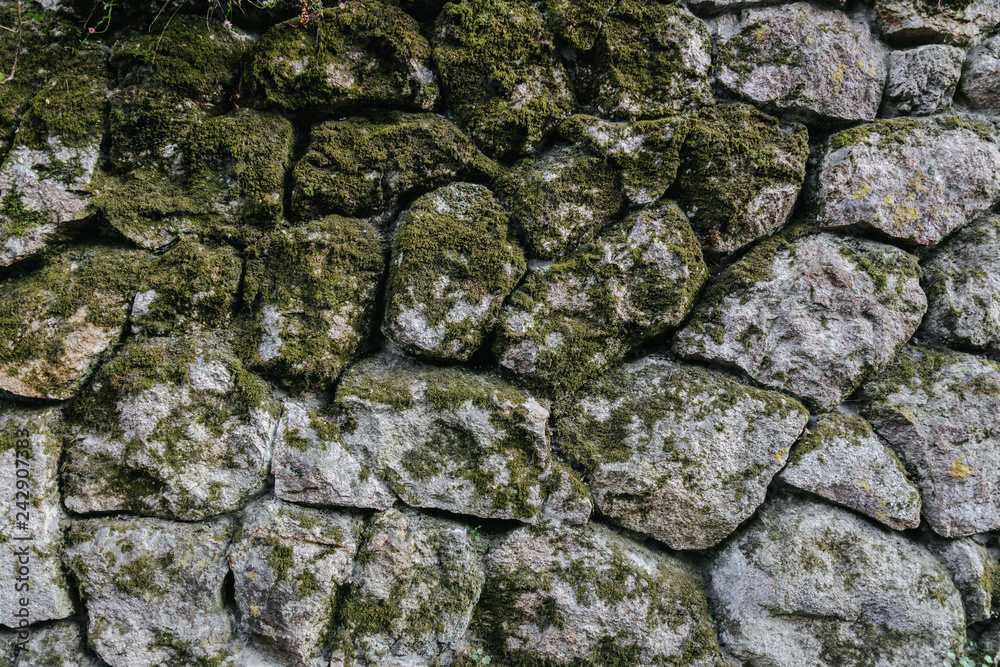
column 962, row 281
column 981, row 79
column 716, row 6
column 813, row 584
column 922, row 81
column 412, row 592
column 812, row 63
column 938, row 410
column 975, row 572
column 917, row 21
column 842, row 460
column 60, row 644
column 915, row 180
column 586, row 595
column 454, row 261
column 288, row 564
column 569, row 499
column 172, row 427
column 681, row 453
column 809, row 313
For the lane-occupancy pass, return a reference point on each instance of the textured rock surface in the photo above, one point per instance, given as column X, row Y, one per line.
column 980, row 86
column 909, row 21
column 797, row 59
column 681, row 453
column 922, row 81
column 836, row 589
column 808, row 313
column 842, row 460
column 912, row 180
column 974, row 572
column 938, row 410
column 61, row 644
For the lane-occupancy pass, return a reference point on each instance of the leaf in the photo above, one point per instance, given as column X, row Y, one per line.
column 951, row 656
column 487, row 660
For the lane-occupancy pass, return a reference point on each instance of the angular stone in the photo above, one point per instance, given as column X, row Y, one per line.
column 586, row 595
column 312, row 465
column 287, row 565
column 172, row 427
column 569, row 321
column 154, row 589
column 577, row 22
column 808, row 313
column 454, row 261
column 962, row 281
column 312, row 290
column 981, row 79
column 367, row 164
column 922, row 81
column 569, row 499
column 677, row 452
column 975, row 572
column 938, row 411
column 647, row 152
column 739, row 176
column 60, row 644
column 370, row 53
column 814, row 584
column 30, row 449
column 560, row 199
column 412, row 593
column 955, row 22
column 842, row 460
column 913, row 180
column 814, row 64
column 57, row 321
column 501, row 73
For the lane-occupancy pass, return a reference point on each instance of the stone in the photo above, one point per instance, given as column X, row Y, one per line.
column 959, row 22
column 962, row 282
column 842, row 460
column 501, row 74
column 717, row 6
column 647, row 152
column 364, row 165
column 577, row 22
column 681, row 453
column 57, row 321
column 798, row 60
column 560, row 200
column 980, row 87
column 938, row 411
column 739, row 176
column 30, row 449
column 154, row 589
column 586, row 595
column 811, row 314
column 914, row 180
column 60, row 644
column 570, row 320
column 288, row 565
column 171, row 427
column 370, row 53
column 922, row 80
column 454, row 261
column 311, row 291
column 835, row 588
column 411, row 596
column 975, row 572
column 569, row 499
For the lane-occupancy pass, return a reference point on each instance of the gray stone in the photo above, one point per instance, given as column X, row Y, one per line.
column 569, row 499
column 60, row 644
column 454, row 261
column 717, row 6
column 981, row 79
column 677, row 452
column 922, row 80
column 938, row 411
column 916, row 21
column 809, row 313
column 813, row 584
column 916, row 180
column 842, row 460
column 814, row 64
column 975, row 572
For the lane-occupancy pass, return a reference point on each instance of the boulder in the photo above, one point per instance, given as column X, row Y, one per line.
column 958, row 22
column 922, row 80
column 976, row 574
column 981, row 79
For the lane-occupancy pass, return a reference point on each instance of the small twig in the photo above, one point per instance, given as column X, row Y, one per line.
column 17, row 49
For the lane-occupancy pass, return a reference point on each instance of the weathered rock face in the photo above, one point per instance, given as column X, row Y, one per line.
column 680, row 453
column 912, row 180
column 571, row 320
column 812, row 314
column 61, row 644
column 980, row 86
column 842, row 460
column 975, row 573
column 922, row 81
column 798, row 59
column 914, row 21
column 172, row 427
column 835, row 588
column 938, row 410
column 586, row 595
column 454, row 260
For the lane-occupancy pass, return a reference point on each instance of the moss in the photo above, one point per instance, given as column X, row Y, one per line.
column 16, row 219
column 138, row 579
column 890, row 272
column 577, row 23
column 830, row 428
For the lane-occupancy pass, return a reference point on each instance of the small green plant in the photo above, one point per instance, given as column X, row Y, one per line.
column 987, row 660
column 479, row 657
column 474, row 535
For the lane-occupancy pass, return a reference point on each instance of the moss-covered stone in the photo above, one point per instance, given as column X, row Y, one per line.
column 961, row 22
column 577, row 22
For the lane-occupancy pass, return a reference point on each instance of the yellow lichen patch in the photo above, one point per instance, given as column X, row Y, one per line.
column 917, row 182
column 862, row 192
column 959, row 469
column 781, row 455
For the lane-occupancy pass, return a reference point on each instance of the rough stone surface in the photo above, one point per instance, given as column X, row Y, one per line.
column 842, row 460
column 981, row 78
column 812, row 314
column 975, row 573
column 61, row 644
column 922, row 81
column 915, row 21
column 912, row 180
column 812, row 63
column 938, row 410
column 454, row 261
column 835, row 589
column 677, row 452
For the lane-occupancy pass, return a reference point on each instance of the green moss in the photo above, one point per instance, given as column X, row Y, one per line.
column 577, row 23
column 137, row 579
column 280, row 558
column 891, row 272
column 17, row 220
